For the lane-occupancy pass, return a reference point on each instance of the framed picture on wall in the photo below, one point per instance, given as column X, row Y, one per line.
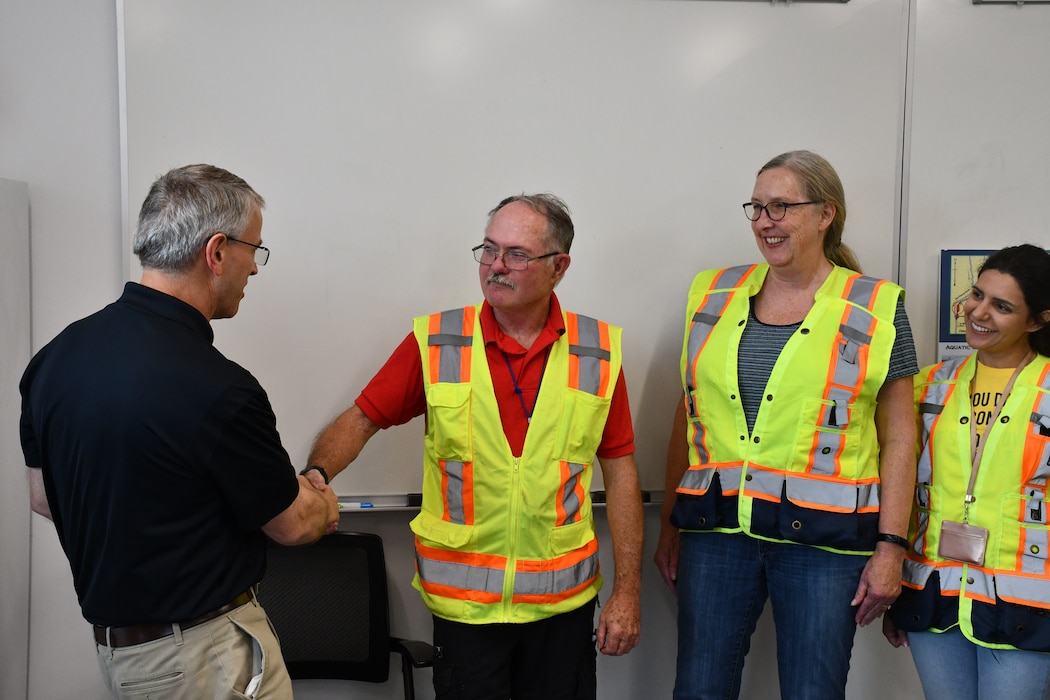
column 958, row 275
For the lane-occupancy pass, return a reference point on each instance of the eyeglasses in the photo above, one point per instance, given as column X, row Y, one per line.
column 774, row 210
column 513, row 259
column 261, row 254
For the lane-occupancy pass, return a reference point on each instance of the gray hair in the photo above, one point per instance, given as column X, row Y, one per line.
column 187, row 206
column 560, row 230
column 820, row 183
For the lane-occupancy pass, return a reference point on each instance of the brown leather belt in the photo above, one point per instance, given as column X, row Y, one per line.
column 140, row 634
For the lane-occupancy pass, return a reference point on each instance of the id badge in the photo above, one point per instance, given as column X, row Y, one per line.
column 962, row 542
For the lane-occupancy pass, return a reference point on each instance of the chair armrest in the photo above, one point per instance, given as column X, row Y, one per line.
column 420, row 654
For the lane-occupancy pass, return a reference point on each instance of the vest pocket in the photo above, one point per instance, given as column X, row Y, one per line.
column 787, row 520
column 707, row 511
column 920, row 609
column 437, row 532
column 568, row 538
column 1020, row 626
column 448, row 418
column 580, row 428
column 829, row 436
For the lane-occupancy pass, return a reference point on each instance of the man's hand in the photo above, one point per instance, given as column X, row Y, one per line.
column 620, row 624
column 314, row 480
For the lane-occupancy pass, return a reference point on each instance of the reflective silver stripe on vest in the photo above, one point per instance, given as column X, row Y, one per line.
column 557, row 580
column 845, row 379
column 1033, row 554
column 922, row 512
column 935, row 398
column 846, row 497
column 700, row 479
column 704, row 320
column 570, row 501
column 1021, row 589
column 1041, row 426
column 464, row 576
column 590, row 353
column 918, row 574
column 978, row 583
column 454, row 492
column 451, row 340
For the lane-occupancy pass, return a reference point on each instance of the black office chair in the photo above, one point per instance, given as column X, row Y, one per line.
column 328, row 603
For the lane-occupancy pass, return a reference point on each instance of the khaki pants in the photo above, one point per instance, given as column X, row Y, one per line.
column 215, row 660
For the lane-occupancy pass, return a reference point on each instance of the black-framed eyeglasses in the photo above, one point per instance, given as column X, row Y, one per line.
column 262, row 254
column 774, row 210
column 513, row 259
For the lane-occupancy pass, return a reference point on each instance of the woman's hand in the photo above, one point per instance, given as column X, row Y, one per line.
column 898, row 638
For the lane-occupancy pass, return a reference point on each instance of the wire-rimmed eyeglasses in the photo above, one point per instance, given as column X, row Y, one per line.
column 513, row 259
column 262, row 254
column 774, row 210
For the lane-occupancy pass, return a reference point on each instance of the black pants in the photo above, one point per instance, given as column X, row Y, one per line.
column 552, row 659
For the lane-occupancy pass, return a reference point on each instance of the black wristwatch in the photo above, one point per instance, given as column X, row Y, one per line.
column 324, row 474
column 892, row 539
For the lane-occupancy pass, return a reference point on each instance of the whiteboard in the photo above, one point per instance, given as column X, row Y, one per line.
column 381, row 133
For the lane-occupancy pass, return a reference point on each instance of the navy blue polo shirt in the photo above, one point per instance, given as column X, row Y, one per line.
column 161, row 460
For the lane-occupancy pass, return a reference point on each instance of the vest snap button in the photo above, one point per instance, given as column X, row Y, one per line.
column 1004, row 419
column 915, row 618
column 748, row 477
column 964, row 420
column 825, row 450
column 1020, row 629
column 757, row 439
column 743, row 437
column 804, row 331
column 703, row 521
column 969, row 580
column 732, row 397
column 769, row 397
column 1035, row 549
column 796, row 525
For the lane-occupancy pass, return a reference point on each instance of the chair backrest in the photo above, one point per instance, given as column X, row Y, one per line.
column 328, row 603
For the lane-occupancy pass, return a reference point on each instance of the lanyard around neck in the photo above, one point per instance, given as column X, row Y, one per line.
column 517, row 389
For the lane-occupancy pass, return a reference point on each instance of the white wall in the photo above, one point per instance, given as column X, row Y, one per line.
column 14, row 517
column 980, row 142
column 59, row 133
column 980, row 99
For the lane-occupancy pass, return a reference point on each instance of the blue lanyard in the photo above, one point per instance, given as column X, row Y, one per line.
column 517, row 389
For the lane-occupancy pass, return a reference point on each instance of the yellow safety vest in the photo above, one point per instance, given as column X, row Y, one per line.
column 1006, row 602
column 809, row 471
column 502, row 538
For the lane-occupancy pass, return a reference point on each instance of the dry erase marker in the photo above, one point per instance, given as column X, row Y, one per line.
column 355, row 505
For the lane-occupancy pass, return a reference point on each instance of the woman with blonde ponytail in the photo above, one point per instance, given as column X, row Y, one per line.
column 791, row 464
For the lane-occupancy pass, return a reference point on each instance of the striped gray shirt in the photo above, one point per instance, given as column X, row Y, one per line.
column 761, row 344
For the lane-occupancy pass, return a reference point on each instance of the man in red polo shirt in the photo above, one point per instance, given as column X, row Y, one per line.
column 520, row 398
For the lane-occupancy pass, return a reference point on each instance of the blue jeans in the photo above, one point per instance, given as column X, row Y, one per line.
column 723, row 583
column 951, row 667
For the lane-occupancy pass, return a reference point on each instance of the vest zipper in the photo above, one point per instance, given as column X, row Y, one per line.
column 512, row 538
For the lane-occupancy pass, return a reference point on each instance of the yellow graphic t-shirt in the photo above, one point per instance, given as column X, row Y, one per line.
column 985, row 391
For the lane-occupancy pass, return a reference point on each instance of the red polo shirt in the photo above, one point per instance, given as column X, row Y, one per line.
column 395, row 396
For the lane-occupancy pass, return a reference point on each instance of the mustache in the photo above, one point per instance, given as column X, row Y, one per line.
column 496, row 278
